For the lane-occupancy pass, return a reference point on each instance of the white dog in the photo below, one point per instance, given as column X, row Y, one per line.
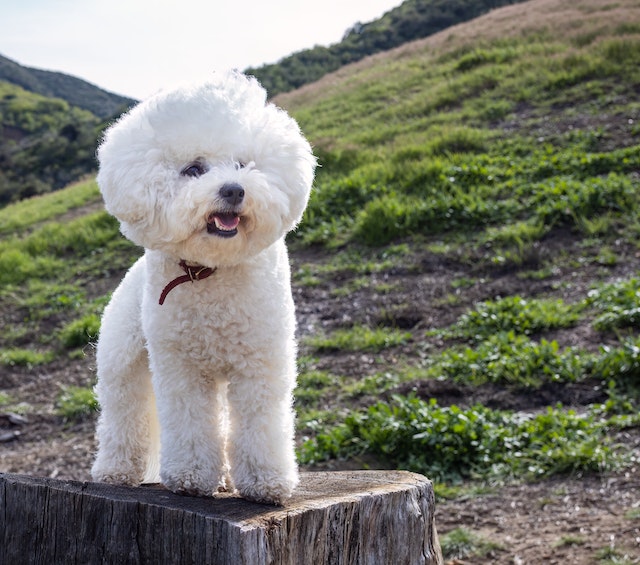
column 199, row 336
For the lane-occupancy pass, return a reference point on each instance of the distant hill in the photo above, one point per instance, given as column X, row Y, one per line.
column 413, row 19
column 45, row 143
column 75, row 91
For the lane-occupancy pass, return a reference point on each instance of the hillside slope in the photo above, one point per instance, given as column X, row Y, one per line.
column 466, row 281
column 75, row 91
column 45, row 143
column 413, row 19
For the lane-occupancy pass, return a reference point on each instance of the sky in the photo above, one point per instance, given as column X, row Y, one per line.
column 136, row 47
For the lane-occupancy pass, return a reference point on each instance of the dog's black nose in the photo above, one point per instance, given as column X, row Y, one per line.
column 232, row 193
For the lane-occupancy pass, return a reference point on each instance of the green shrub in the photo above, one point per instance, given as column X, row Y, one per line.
column 451, row 443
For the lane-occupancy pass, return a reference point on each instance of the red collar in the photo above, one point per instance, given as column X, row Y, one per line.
column 193, row 273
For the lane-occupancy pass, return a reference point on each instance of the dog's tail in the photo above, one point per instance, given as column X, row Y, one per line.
column 152, row 473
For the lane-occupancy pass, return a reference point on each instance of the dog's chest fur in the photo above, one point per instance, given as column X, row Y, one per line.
column 239, row 311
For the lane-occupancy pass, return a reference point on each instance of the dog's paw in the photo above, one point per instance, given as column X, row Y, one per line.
column 274, row 492
column 192, row 483
column 118, row 468
column 118, row 477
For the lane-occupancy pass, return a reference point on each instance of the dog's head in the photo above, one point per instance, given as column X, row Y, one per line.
column 209, row 173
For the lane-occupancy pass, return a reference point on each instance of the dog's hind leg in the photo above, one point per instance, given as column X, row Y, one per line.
column 127, row 426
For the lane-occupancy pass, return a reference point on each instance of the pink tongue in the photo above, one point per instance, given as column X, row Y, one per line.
column 228, row 221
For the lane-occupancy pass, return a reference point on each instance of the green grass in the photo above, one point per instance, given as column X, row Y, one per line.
column 49, row 254
column 621, row 365
column 359, row 338
column 43, row 253
column 569, row 540
column 24, row 357
column 313, row 387
column 80, row 332
column 33, row 211
column 461, row 543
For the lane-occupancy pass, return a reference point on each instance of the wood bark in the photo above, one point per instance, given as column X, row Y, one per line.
column 362, row 517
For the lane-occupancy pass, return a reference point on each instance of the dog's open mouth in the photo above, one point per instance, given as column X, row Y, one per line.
column 223, row 224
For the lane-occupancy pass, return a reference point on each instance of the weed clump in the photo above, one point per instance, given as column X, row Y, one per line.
column 450, row 444
column 76, row 403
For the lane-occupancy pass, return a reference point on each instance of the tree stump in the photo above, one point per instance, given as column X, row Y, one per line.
column 372, row 517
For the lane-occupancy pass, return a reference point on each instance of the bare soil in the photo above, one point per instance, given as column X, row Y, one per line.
column 563, row 520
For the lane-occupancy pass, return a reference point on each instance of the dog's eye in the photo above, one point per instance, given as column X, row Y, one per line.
column 240, row 165
column 195, row 169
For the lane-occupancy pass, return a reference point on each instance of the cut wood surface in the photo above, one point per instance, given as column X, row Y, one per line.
column 372, row 517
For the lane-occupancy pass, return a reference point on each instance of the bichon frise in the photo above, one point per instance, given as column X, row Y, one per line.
column 196, row 354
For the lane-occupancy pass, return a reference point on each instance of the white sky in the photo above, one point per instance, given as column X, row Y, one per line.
column 135, row 47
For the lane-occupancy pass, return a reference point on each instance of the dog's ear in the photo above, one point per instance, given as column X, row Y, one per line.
column 128, row 170
column 299, row 180
column 123, row 197
column 297, row 170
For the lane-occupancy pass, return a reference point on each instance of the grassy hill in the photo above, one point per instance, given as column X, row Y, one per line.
column 466, row 275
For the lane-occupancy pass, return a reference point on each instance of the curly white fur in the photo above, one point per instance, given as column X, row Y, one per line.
column 213, row 175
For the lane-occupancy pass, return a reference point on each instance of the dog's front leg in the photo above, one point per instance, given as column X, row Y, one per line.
column 261, row 442
column 126, row 424
column 127, row 427
column 192, row 456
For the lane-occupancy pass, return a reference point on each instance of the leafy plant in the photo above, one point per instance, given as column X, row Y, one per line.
column 516, row 314
column 618, row 304
column 450, row 443
column 620, row 365
column 510, row 358
column 76, row 403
